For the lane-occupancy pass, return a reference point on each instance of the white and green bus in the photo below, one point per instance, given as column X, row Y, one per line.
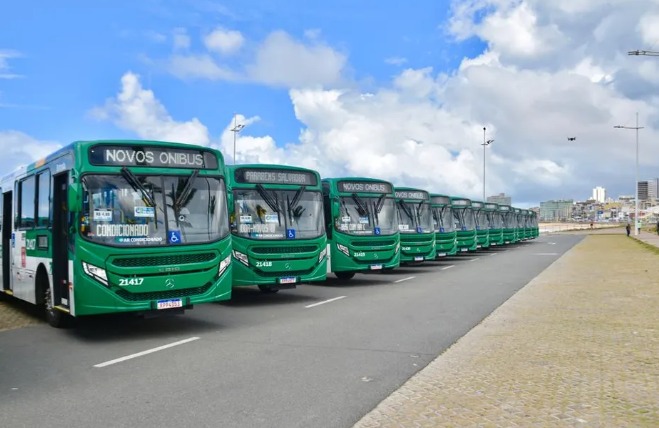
column 116, row 226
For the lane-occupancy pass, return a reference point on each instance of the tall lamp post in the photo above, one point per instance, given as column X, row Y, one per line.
column 485, row 144
column 636, row 195
column 236, row 129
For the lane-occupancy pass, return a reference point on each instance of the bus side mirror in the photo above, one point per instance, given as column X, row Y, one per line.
column 74, row 197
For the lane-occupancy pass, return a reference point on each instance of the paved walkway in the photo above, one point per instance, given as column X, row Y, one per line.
column 578, row 346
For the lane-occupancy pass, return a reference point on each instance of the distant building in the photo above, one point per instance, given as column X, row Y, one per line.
column 653, row 189
column 599, row 194
column 560, row 210
column 500, row 199
column 643, row 190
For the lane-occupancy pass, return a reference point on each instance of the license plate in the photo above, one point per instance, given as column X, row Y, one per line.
column 288, row 280
column 441, row 254
column 464, row 250
column 169, row 303
column 507, row 242
column 494, row 244
column 478, row 246
column 376, row 267
column 418, row 258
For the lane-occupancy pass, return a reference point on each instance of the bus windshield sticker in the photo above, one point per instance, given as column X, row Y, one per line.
column 245, row 218
column 346, row 219
column 403, row 227
column 363, row 220
column 272, row 218
column 290, row 233
column 102, row 215
column 123, row 230
column 149, row 212
column 174, row 236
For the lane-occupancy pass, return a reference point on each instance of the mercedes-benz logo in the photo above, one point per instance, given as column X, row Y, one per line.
column 287, row 266
column 169, row 283
column 376, row 256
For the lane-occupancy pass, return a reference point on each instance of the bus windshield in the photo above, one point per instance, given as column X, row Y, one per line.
column 482, row 222
column 508, row 220
column 464, row 218
column 130, row 210
column 361, row 215
column 442, row 218
column 262, row 213
column 414, row 216
column 495, row 220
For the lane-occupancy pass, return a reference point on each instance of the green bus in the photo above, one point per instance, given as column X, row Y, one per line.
column 482, row 224
column 528, row 227
column 534, row 224
column 277, row 224
column 508, row 218
column 519, row 224
column 465, row 224
column 495, row 224
column 442, row 216
column 116, row 226
column 361, row 224
column 417, row 235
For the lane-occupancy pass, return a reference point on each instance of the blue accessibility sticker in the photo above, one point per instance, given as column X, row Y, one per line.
column 441, row 229
column 290, row 233
column 377, row 230
column 419, row 229
column 174, row 237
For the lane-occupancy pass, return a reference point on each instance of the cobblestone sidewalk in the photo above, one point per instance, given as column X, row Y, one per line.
column 578, row 346
column 16, row 314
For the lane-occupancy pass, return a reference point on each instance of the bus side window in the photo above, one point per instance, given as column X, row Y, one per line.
column 327, row 209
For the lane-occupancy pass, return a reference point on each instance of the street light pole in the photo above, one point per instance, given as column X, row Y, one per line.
column 236, row 129
column 485, row 144
column 636, row 195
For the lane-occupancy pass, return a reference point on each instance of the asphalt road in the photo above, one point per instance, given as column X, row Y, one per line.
column 284, row 360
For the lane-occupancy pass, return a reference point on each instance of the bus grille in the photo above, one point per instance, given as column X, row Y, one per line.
column 284, row 250
column 373, row 243
column 169, row 294
column 423, row 239
column 172, row 259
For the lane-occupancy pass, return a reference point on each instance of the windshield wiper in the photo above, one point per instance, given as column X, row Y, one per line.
column 380, row 203
column 294, row 211
column 272, row 201
column 406, row 209
column 362, row 209
column 418, row 213
column 185, row 192
column 136, row 185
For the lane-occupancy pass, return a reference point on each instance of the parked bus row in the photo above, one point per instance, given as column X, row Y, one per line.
column 146, row 226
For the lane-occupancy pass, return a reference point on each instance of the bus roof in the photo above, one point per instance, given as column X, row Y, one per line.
column 437, row 199
column 252, row 174
column 409, row 193
column 457, row 201
column 356, row 185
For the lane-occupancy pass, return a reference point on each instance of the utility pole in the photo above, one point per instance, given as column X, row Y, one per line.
column 636, row 222
column 236, row 129
column 645, row 53
column 485, row 144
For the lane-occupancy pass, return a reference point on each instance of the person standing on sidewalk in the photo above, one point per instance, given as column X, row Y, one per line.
column 628, row 228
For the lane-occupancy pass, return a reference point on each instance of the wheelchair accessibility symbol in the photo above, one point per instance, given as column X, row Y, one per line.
column 290, row 233
column 174, row 237
column 377, row 231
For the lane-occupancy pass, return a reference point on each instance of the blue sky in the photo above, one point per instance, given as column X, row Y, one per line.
column 395, row 90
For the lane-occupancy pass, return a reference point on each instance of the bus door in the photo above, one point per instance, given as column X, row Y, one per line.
column 60, row 238
column 5, row 244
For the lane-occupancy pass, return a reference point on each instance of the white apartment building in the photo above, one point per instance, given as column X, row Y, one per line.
column 599, row 194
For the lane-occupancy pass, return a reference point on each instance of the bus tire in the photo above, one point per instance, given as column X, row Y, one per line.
column 344, row 276
column 54, row 317
column 267, row 290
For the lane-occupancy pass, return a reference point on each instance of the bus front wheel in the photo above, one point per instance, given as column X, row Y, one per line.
column 344, row 276
column 267, row 290
column 54, row 317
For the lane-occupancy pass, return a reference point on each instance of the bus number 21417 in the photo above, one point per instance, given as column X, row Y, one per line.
column 130, row 281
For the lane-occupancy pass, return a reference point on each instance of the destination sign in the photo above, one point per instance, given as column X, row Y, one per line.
column 504, row 208
column 477, row 204
column 461, row 202
column 152, row 156
column 419, row 195
column 491, row 206
column 440, row 200
column 364, row 187
column 275, row 176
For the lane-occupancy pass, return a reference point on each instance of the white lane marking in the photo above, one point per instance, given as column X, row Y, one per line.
column 545, row 254
column 493, row 254
column 148, row 351
column 405, row 279
column 473, row 260
column 325, row 301
column 448, row 267
column 551, row 243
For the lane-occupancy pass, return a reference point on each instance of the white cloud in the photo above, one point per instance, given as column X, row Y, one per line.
column 19, row 149
column 224, row 41
column 5, row 71
column 138, row 110
column 279, row 61
column 181, row 39
column 395, row 60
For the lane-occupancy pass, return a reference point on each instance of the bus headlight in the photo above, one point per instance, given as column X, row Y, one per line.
column 343, row 249
column 242, row 258
column 322, row 254
column 397, row 248
column 224, row 264
column 95, row 272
